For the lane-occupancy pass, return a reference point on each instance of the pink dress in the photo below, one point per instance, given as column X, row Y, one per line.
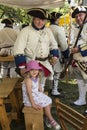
column 39, row 97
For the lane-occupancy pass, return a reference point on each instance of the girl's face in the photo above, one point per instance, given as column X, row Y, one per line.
column 79, row 18
column 39, row 23
column 34, row 73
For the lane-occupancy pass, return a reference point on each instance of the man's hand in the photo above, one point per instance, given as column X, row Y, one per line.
column 74, row 50
column 22, row 71
column 53, row 60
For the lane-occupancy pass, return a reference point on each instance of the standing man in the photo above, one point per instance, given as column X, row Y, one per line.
column 36, row 42
column 60, row 37
column 80, row 53
column 8, row 37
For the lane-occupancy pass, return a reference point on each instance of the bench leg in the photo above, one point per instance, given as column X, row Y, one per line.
column 14, row 103
column 3, row 117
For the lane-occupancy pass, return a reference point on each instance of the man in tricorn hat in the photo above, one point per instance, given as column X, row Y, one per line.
column 8, row 22
column 36, row 42
column 80, row 53
column 7, row 39
column 60, row 37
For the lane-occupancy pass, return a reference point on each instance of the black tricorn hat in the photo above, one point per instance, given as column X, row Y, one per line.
column 7, row 21
column 38, row 12
column 54, row 15
column 79, row 9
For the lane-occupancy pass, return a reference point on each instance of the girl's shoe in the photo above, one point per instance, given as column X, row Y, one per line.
column 55, row 125
column 47, row 122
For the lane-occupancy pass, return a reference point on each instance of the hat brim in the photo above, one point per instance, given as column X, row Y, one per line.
column 37, row 13
column 52, row 16
column 77, row 12
column 39, row 68
column 7, row 21
column 59, row 15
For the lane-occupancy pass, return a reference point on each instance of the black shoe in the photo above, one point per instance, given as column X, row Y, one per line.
column 73, row 104
column 59, row 96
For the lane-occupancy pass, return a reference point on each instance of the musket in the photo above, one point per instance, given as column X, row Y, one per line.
column 6, row 46
column 62, row 75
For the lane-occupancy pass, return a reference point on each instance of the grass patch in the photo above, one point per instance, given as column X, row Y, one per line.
column 70, row 91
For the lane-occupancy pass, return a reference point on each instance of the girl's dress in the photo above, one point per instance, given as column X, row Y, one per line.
column 39, row 97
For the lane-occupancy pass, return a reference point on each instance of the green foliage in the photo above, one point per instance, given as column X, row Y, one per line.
column 63, row 9
column 19, row 15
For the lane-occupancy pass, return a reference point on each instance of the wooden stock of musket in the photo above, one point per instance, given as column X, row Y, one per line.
column 62, row 75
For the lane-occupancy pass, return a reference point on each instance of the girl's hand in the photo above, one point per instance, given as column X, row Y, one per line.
column 40, row 89
column 37, row 107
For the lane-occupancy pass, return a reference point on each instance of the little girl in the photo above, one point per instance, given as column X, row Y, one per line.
column 33, row 95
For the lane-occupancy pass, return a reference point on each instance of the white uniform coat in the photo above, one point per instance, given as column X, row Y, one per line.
column 34, row 43
column 74, row 34
column 82, row 41
column 60, row 37
column 8, row 37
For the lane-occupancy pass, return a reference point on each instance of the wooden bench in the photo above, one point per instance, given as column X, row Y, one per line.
column 6, row 58
column 33, row 118
column 18, row 92
column 70, row 118
column 6, row 89
column 15, row 100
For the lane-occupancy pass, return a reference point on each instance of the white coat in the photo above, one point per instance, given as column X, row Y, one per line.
column 60, row 37
column 35, row 43
column 82, row 42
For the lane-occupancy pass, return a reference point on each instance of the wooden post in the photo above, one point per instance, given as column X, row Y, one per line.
column 67, row 72
column 3, row 117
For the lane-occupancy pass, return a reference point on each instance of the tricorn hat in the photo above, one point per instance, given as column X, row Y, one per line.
column 79, row 9
column 7, row 21
column 38, row 12
column 54, row 15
